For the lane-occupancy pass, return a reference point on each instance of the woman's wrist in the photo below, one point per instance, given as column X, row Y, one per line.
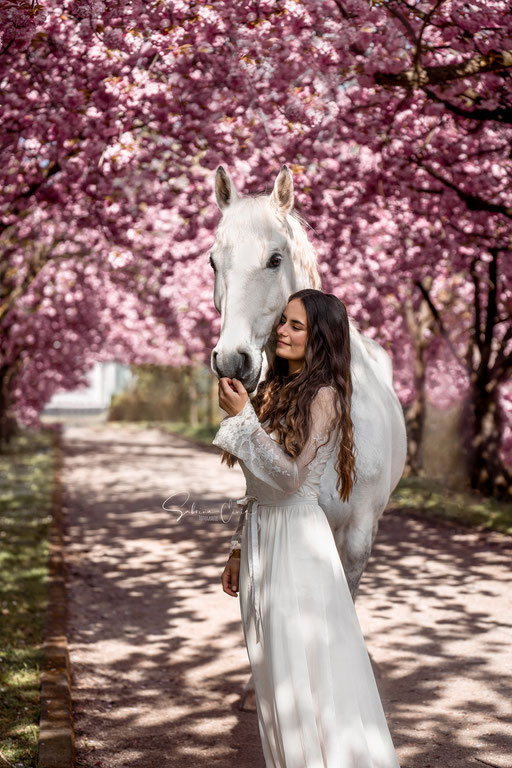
column 235, row 553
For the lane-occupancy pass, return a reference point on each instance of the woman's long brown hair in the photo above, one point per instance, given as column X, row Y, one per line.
column 327, row 362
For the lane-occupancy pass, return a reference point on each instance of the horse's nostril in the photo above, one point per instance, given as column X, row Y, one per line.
column 245, row 367
column 215, row 367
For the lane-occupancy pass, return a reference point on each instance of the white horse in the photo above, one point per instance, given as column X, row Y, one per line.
column 261, row 255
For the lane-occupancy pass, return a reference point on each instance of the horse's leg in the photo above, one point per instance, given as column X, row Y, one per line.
column 248, row 688
column 355, row 549
column 354, row 543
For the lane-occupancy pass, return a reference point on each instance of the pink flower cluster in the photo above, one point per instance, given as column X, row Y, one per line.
column 394, row 117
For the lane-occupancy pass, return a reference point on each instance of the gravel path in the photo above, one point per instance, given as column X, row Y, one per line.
column 157, row 652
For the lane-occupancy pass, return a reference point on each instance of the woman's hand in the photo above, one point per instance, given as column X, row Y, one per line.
column 230, row 575
column 232, row 395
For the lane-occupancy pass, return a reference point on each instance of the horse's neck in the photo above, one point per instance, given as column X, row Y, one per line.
column 358, row 351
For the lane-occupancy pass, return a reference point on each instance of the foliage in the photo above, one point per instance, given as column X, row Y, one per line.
column 158, row 394
column 395, row 118
column 26, row 470
column 428, row 498
column 162, row 393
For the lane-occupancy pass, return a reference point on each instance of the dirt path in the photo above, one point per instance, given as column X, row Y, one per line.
column 157, row 651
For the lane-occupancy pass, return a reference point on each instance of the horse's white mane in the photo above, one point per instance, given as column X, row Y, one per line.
column 258, row 213
column 305, row 254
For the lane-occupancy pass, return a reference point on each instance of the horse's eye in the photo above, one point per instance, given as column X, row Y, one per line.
column 274, row 260
column 211, row 263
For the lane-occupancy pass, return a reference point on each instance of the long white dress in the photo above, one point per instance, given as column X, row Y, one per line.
column 317, row 702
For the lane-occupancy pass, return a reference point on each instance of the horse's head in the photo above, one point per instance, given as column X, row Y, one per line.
column 260, row 256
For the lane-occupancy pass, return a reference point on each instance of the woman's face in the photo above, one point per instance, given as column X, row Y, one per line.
column 292, row 332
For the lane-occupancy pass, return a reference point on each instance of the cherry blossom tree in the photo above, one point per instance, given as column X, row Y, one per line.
column 394, row 117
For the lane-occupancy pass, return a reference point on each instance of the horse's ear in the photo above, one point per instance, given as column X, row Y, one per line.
column 282, row 194
column 225, row 190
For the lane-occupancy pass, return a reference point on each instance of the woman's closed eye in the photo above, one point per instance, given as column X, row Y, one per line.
column 295, row 327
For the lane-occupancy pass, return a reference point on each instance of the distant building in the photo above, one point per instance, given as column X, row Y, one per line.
column 105, row 379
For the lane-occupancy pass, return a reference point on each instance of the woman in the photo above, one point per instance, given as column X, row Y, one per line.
column 317, row 701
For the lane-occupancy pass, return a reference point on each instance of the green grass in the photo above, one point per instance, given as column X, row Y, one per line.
column 26, row 482
column 202, row 434
column 431, row 498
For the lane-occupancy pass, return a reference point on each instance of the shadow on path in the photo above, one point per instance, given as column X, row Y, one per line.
column 157, row 651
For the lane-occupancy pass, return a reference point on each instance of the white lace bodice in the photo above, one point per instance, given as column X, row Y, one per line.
column 271, row 473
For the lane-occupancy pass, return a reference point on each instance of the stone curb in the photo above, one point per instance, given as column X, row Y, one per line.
column 56, row 746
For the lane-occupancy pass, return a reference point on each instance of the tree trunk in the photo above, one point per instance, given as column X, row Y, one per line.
column 489, row 363
column 482, row 425
column 415, row 414
column 193, row 397
column 417, row 323
column 8, row 424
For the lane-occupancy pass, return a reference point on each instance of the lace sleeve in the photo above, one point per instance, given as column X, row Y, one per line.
column 244, row 437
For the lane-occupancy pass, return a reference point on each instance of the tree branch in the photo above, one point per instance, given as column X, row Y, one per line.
column 503, row 362
column 342, row 10
column 494, row 61
column 477, row 338
column 492, row 306
column 405, row 23
column 35, row 267
column 500, row 115
column 473, row 202
column 53, row 169
column 437, row 317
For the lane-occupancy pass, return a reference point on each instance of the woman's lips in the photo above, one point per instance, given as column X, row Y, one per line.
column 283, row 342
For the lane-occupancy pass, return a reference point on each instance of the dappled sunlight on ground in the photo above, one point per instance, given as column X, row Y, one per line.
column 157, row 651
